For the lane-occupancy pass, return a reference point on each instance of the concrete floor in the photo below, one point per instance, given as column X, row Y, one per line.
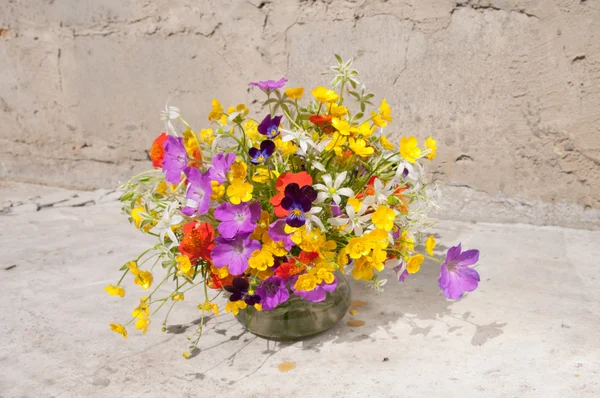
column 530, row 330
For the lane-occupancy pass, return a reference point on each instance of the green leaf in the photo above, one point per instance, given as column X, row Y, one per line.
column 144, row 179
column 339, row 59
column 127, row 196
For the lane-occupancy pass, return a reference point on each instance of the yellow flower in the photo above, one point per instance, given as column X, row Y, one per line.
column 251, row 129
column 306, row 283
column 261, row 175
column 218, row 190
column 336, row 143
column 323, row 94
column 337, row 110
column 118, row 328
column 324, row 275
column 238, row 171
column 223, row 120
column 378, row 239
column 239, row 191
column 208, row 306
column 206, row 136
column 178, row 297
column 316, row 242
column 217, row 111
column 386, row 144
column 409, row 149
column 142, row 324
column 261, row 259
column 186, row 355
column 342, row 259
column 384, row 218
column 115, row 290
column 222, row 272
column 358, row 247
column 144, row 279
column 241, row 108
column 341, row 125
column 364, row 266
column 355, row 203
column 364, row 130
column 184, row 266
column 142, row 314
column 430, row 245
column 137, row 214
column 190, row 142
column 294, row 93
column 287, row 148
column 413, row 265
column 359, row 147
column 235, row 306
column 431, row 144
column 385, row 111
column 262, row 226
column 276, row 248
column 405, row 244
column 377, row 119
column 164, row 188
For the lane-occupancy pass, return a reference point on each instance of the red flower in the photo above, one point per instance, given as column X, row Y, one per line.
column 323, row 122
column 214, row 282
column 157, row 151
column 286, row 270
column 197, row 240
column 302, row 179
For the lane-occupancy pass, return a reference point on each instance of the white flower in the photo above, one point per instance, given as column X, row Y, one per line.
column 302, row 139
column 354, row 222
column 377, row 284
column 167, row 221
column 381, row 192
column 311, row 217
column 168, row 114
column 332, row 189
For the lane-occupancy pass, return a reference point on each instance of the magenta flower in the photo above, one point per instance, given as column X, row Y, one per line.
column 267, row 147
column 316, row 295
column 456, row 277
column 234, row 253
column 272, row 292
column 175, row 159
column 278, row 234
column 298, row 201
column 237, row 219
column 270, row 126
column 198, row 192
column 269, row 85
column 221, row 164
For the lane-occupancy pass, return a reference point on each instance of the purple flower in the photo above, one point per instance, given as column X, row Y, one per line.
column 221, row 164
column 239, row 291
column 456, row 277
column 175, row 159
column 267, row 147
column 278, row 234
column 234, row 253
column 269, row 85
column 298, row 201
column 198, row 192
column 270, row 126
column 335, row 210
column 237, row 219
column 316, row 295
column 272, row 292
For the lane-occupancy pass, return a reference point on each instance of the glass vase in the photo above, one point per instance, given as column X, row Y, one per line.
column 298, row 318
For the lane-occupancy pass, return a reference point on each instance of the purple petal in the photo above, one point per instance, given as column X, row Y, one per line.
column 267, row 147
column 221, row 255
column 240, row 284
column 287, row 203
column 309, row 193
column 453, row 252
column 255, row 210
column 292, row 191
column 295, row 221
column 305, row 204
column 468, row 257
column 263, row 127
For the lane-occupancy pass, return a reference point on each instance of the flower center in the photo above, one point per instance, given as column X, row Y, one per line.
column 297, row 212
column 270, row 288
column 260, row 159
column 332, row 190
column 451, row 266
column 240, row 217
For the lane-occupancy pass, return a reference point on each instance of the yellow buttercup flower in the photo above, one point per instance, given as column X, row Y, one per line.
column 359, row 147
column 384, row 218
column 355, row 203
column 287, row 148
column 342, row 259
column 306, row 283
column 409, row 149
column 222, row 272
column 251, row 130
column 364, row 266
column 276, row 248
column 261, row 259
column 115, row 290
column 218, row 190
column 216, row 112
column 385, row 111
column 262, row 225
column 239, row 191
column 430, row 245
column 324, row 275
column 365, row 130
column 377, row 119
column 208, row 306
column 190, row 142
column 137, row 214
column 386, row 144
column 261, row 175
column 118, row 328
column 142, row 314
column 341, row 125
column 431, row 144
column 178, row 297
column 235, row 306
column 358, row 247
column 184, row 266
column 413, row 265
column 337, row 111
column 405, row 244
column 165, row 188
column 206, row 136
column 144, row 279
column 241, row 108
column 294, row 93
column 323, row 94
column 378, row 239
column 238, row 171
column 336, row 143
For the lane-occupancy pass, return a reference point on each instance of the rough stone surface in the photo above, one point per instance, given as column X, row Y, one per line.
column 529, row 330
column 510, row 88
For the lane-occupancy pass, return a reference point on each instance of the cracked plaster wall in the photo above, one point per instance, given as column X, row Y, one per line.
column 511, row 89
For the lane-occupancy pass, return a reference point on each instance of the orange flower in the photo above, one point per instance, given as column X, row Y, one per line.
column 197, row 240
column 302, row 179
column 323, row 122
column 214, row 282
column 157, row 152
column 286, row 270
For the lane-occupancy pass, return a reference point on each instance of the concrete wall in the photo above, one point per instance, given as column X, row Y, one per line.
column 510, row 88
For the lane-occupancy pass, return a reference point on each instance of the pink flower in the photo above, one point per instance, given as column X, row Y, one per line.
column 456, row 277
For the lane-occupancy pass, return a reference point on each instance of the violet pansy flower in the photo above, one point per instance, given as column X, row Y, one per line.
column 298, row 201
column 198, row 192
column 234, row 253
column 269, row 85
column 239, row 291
column 220, row 166
column 456, row 277
column 175, row 159
column 267, row 147
column 272, row 292
column 270, row 126
column 237, row 219
column 317, row 294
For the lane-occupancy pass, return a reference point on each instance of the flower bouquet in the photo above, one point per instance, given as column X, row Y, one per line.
column 273, row 210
